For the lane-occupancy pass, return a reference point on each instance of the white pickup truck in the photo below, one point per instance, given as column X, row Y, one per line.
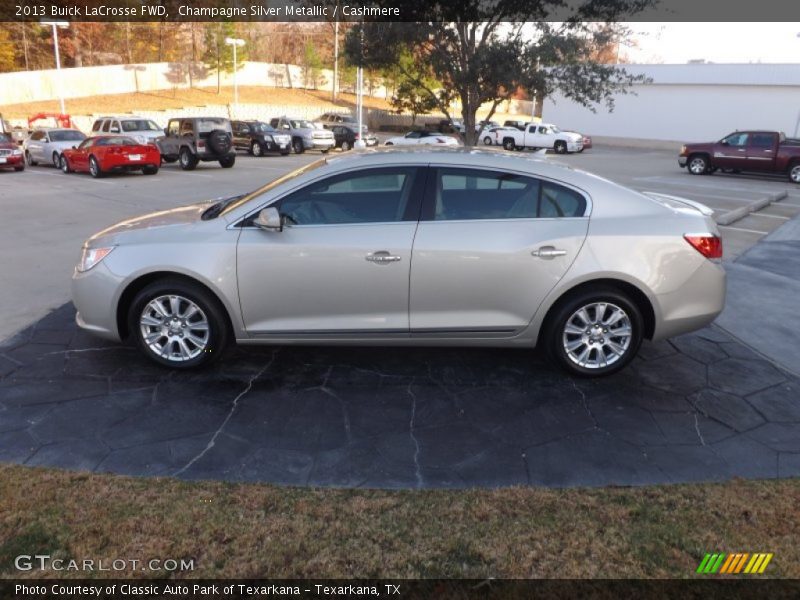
column 540, row 135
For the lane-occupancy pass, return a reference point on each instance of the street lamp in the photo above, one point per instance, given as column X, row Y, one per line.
column 56, row 25
column 235, row 42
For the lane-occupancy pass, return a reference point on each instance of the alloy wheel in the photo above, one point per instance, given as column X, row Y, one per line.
column 256, row 149
column 597, row 335
column 794, row 174
column 174, row 328
column 698, row 165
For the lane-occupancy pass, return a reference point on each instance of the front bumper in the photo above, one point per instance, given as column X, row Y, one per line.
column 94, row 294
column 574, row 146
column 11, row 160
column 682, row 161
column 319, row 143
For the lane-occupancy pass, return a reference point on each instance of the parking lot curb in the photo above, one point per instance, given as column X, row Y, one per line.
column 740, row 213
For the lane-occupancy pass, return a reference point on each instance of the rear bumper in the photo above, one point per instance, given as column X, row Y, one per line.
column 11, row 161
column 693, row 305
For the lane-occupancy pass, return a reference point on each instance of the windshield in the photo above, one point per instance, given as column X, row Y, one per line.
column 264, row 128
column 554, row 129
column 66, row 135
column 275, row 183
column 301, row 124
column 4, row 138
column 140, row 125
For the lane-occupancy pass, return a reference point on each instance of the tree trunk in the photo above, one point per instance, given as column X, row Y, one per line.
column 468, row 112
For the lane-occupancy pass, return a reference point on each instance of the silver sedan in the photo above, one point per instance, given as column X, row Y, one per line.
column 424, row 247
column 47, row 145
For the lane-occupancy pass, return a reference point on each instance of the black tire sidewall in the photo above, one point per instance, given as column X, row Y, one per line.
column 218, row 334
column 552, row 338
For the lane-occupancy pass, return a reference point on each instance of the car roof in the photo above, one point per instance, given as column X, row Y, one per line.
column 121, row 117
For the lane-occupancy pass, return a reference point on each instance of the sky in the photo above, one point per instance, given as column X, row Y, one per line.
column 716, row 42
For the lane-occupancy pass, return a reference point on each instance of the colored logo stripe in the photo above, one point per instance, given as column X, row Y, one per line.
column 735, row 563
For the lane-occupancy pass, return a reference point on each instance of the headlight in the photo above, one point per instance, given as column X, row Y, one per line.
column 92, row 256
column 268, row 139
column 683, row 150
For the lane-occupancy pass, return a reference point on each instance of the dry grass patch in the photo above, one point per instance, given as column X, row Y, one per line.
column 179, row 98
column 242, row 530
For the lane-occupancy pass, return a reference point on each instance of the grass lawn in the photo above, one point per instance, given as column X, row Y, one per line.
column 179, row 98
column 244, row 530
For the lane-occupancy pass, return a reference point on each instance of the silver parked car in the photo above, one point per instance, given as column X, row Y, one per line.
column 421, row 247
column 46, row 145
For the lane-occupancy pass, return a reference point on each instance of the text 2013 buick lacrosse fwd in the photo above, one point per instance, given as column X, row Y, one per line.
column 423, row 247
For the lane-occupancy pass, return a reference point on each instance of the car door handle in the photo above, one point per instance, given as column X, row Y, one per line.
column 548, row 252
column 382, row 257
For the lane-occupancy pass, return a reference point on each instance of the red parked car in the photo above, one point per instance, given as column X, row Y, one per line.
column 10, row 154
column 104, row 154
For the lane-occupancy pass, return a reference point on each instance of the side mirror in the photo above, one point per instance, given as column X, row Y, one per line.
column 724, row 143
column 269, row 219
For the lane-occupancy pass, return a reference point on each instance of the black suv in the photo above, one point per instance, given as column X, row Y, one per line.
column 257, row 138
column 192, row 139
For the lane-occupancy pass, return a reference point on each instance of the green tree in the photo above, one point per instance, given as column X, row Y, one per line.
column 483, row 51
column 312, row 65
column 218, row 56
column 411, row 93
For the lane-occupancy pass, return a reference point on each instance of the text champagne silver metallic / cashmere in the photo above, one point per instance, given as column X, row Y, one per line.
column 426, row 246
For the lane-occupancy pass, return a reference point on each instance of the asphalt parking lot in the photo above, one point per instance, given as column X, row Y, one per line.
column 699, row 407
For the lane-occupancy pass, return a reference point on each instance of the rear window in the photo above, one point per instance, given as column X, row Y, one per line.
column 117, row 141
column 207, row 125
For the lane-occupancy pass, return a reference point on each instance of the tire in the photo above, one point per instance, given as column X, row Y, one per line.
column 187, row 160
column 227, row 162
column 577, row 350
column 65, row 168
column 219, row 141
column 697, row 164
column 203, row 346
column 326, row 150
column 560, row 147
column 794, row 172
column 297, row 146
column 169, row 159
column 487, row 141
column 256, row 149
column 389, row 144
column 286, row 153
column 29, row 159
column 345, row 146
column 94, row 168
column 150, row 170
column 56, row 159
column 509, row 144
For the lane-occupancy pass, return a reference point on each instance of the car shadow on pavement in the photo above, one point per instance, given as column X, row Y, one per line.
column 695, row 408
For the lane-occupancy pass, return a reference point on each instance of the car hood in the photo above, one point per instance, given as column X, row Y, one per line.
column 575, row 137
column 130, row 230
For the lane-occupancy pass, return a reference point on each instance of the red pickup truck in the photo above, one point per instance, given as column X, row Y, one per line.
column 756, row 151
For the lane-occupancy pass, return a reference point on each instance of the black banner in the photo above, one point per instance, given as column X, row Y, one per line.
column 182, row 589
column 399, row 10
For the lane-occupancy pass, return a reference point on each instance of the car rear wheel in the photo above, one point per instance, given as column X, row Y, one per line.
column 187, row 160
column 560, row 147
column 509, row 144
column 487, row 141
column 256, row 149
column 794, row 173
column 698, row 165
column 178, row 324
column 594, row 333
column 345, row 146
column 297, row 146
column 94, row 168
column 29, row 159
column 227, row 162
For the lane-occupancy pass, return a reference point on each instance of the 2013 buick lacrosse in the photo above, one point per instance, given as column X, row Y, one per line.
column 424, row 247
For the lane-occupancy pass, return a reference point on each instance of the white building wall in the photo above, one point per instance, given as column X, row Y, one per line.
column 691, row 103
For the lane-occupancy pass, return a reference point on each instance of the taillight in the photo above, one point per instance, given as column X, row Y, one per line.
column 708, row 245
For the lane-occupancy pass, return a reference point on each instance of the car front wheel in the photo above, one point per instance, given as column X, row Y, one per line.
column 178, row 324
column 94, row 168
column 256, row 149
column 794, row 173
column 698, row 165
column 594, row 333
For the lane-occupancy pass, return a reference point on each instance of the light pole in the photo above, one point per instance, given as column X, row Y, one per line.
column 360, row 143
column 235, row 42
column 56, row 25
